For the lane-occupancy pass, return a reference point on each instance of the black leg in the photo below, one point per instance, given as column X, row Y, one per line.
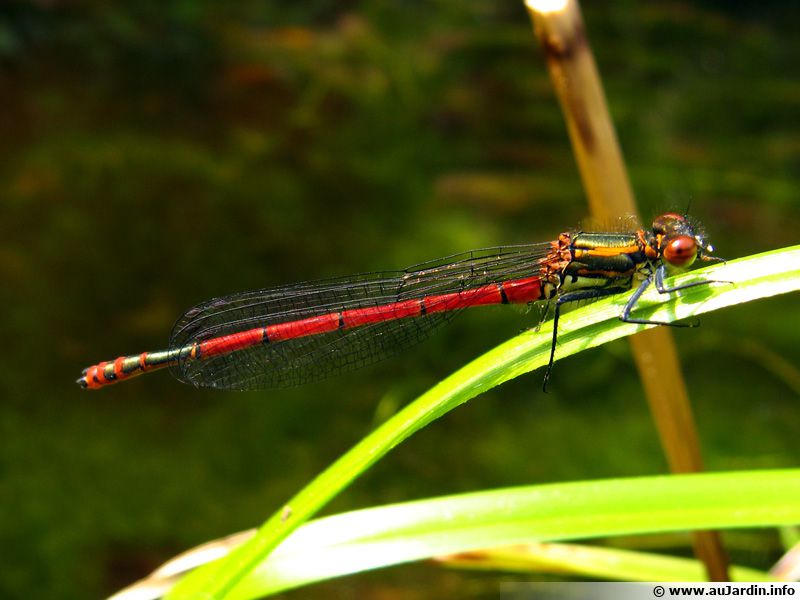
column 591, row 294
column 659, row 277
column 661, row 269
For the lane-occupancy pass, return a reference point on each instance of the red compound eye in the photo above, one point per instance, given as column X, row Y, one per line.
column 680, row 251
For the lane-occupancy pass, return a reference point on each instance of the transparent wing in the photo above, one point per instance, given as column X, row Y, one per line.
column 312, row 357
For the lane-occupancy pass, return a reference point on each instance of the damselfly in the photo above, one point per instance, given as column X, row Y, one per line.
column 293, row 334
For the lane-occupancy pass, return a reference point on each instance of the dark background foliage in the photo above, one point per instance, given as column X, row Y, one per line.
column 155, row 154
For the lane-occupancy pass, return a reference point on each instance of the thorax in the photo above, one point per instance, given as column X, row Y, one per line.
column 596, row 260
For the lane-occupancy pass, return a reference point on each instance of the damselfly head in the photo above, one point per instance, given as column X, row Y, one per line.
column 681, row 240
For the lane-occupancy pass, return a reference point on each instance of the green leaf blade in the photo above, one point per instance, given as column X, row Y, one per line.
column 743, row 280
column 390, row 535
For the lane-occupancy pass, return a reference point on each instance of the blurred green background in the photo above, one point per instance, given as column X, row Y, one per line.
column 158, row 154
